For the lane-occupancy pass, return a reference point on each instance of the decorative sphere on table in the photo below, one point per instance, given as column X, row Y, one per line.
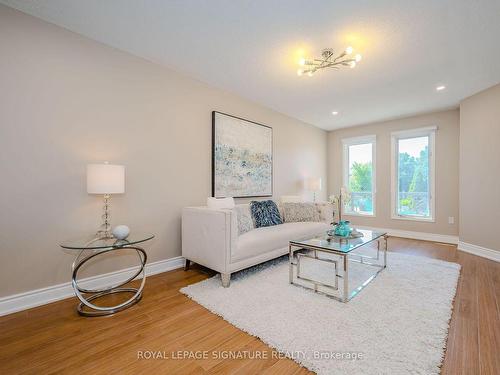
column 121, row 232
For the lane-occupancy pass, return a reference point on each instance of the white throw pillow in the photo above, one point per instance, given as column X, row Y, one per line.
column 326, row 211
column 245, row 221
column 220, row 203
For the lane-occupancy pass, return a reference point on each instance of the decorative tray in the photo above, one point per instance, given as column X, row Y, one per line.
column 354, row 234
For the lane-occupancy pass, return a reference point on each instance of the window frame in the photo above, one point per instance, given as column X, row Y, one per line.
column 353, row 141
column 429, row 131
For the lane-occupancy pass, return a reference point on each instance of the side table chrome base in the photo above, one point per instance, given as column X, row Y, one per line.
column 87, row 295
column 137, row 297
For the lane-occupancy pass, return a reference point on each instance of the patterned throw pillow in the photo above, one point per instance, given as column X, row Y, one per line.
column 297, row 212
column 265, row 213
column 245, row 221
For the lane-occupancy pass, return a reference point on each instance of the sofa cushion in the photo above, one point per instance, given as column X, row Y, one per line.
column 244, row 217
column 265, row 213
column 294, row 212
column 265, row 239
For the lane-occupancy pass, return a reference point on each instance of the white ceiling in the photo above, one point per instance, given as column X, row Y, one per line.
column 251, row 47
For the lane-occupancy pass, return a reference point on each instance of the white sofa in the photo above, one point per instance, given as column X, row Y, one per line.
column 210, row 237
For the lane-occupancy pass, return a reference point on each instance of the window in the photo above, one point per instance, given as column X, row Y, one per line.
column 413, row 174
column 359, row 175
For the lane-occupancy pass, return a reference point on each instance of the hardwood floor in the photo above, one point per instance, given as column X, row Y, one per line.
column 55, row 339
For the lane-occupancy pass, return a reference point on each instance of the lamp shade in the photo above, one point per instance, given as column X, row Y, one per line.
column 313, row 184
column 105, row 179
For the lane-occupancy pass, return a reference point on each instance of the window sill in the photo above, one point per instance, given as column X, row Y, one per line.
column 357, row 215
column 414, row 218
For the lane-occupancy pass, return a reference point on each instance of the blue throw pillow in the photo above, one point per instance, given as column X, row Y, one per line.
column 265, row 213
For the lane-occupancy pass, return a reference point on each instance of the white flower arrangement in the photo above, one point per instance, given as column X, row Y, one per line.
column 333, row 199
column 336, row 200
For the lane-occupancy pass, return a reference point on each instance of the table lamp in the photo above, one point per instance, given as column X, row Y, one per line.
column 105, row 179
column 313, row 184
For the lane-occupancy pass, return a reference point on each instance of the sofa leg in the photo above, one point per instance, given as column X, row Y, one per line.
column 186, row 265
column 226, row 279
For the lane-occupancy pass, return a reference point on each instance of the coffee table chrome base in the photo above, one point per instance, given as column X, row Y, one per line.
column 344, row 276
column 87, row 295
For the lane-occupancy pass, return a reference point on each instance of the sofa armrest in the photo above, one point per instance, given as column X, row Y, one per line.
column 208, row 235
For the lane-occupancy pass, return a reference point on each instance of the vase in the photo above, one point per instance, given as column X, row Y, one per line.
column 343, row 229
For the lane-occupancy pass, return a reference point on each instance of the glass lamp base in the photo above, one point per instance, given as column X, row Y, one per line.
column 104, row 235
column 104, row 231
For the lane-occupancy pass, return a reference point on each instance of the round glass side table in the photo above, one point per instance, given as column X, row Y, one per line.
column 90, row 248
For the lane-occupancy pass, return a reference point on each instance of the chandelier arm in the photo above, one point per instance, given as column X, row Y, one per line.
column 327, row 55
column 340, row 56
column 329, row 58
column 320, row 63
column 346, row 62
column 332, row 65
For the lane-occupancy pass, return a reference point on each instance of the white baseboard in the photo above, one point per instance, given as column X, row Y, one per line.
column 479, row 251
column 33, row 298
column 444, row 238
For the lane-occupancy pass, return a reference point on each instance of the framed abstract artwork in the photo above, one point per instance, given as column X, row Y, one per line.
column 242, row 157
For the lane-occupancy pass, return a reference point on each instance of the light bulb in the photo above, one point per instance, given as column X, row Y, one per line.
column 358, row 57
column 348, row 50
column 352, row 64
column 299, row 72
column 310, row 73
column 302, row 61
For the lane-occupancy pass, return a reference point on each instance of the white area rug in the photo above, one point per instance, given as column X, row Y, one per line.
column 397, row 325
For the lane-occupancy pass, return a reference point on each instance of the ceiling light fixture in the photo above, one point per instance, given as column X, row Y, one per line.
column 328, row 60
column 335, row 113
column 440, row 88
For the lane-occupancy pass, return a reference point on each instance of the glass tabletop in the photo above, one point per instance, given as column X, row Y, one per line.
column 340, row 244
column 92, row 243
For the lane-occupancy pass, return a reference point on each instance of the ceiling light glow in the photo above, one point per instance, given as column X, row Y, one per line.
column 335, row 113
column 440, row 88
column 328, row 59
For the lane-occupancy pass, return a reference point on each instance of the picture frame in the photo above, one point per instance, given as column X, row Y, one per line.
column 242, row 157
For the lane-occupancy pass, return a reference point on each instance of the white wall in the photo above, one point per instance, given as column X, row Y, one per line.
column 480, row 169
column 66, row 101
column 447, row 155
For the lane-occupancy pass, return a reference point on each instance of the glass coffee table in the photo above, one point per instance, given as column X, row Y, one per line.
column 330, row 252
